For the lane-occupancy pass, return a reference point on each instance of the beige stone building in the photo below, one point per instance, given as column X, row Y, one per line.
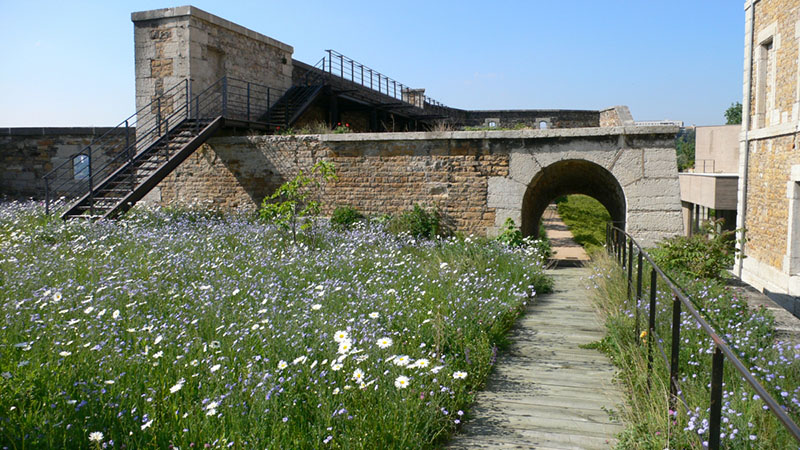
column 709, row 190
column 769, row 163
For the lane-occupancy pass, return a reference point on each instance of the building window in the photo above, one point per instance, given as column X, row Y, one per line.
column 80, row 167
column 492, row 124
column 791, row 264
column 766, row 44
column 543, row 125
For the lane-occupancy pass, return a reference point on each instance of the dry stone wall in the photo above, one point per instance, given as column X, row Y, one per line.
column 476, row 179
column 27, row 154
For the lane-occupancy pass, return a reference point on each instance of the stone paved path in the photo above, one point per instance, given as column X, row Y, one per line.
column 565, row 249
column 546, row 391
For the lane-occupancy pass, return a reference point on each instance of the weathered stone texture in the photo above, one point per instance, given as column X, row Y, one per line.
column 375, row 177
column 27, row 154
column 476, row 179
column 186, row 43
column 777, row 19
column 767, row 216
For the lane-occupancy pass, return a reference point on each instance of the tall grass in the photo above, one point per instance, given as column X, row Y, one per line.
column 191, row 329
column 650, row 421
column 586, row 218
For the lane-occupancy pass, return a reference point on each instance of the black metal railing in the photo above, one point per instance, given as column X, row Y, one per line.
column 337, row 64
column 231, row 98
column 625, row 249
column 76, row 176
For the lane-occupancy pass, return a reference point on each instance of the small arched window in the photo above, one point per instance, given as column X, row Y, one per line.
column 80, row 167
column 543, row 125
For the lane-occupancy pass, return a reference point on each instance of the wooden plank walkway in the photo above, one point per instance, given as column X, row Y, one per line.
column 546, row 391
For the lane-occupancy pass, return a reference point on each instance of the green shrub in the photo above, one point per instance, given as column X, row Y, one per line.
column 706, row 254
column 511, row 236
column 419, row 222
column 344, row 217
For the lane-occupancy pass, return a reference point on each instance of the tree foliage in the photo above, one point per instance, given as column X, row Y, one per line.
column 297, row 200
column 733, row 115
column 684, row 148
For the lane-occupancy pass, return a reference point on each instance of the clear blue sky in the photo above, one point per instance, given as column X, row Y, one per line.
column 70, row 63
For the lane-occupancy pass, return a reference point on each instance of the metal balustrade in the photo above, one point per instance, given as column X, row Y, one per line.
column 625, row 249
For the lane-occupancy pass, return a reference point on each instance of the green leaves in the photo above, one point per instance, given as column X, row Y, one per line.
column 297, row 200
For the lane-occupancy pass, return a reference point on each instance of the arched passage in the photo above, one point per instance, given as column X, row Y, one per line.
column 572, row 176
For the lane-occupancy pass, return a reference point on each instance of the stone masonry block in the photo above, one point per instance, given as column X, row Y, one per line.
column 505, row 193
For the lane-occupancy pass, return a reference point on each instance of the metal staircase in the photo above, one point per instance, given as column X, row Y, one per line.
column 113, row 172
column 292, row 105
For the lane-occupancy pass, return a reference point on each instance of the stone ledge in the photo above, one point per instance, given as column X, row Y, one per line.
column 55, row 131
column 189, row 10
column 512, row 134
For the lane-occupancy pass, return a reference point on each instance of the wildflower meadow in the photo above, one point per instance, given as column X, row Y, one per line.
column 199, row 330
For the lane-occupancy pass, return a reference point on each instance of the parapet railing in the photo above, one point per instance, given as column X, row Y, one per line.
column 625, row 248
column 230, row 98
column 337, row 64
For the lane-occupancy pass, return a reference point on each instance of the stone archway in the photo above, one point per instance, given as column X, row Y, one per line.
column 571, row 176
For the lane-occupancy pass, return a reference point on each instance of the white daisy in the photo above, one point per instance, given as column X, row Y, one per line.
column 316, row 307
column 65, row 353
column 401, row 382
column 96, row 436
column 422, row 363
column 177, row 386
column 340, row 336
column 458, row 375
column 345, row 346
column 358, row 375
column 215, row 368
column 385, row 342
column 402, row 360
column 373, row 315
column 282, row 364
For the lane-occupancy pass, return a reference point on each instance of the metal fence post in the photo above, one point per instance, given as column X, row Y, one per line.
column 91, row 182
column 674, row 364
column 158, row 114
column 630, row 267
column 639, row 269
column 46, row 196
column 651, row 325
column 224, row 96
column 187, row 96
column 717, row 367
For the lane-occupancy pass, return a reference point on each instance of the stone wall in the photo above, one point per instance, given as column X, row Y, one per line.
column 175, row 44
column 775, row 97
column 27, row 154
column 616, row 116
column 769, row 168
column 530, row 118
column 477, row 179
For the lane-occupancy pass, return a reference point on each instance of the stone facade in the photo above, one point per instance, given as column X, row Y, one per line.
column 769, row 166
column 476, row 179
column 27, row 154
column 186, row 43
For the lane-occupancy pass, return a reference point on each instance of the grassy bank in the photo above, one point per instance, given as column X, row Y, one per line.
column 586, row 218
column 650, row 421
column 193, row 329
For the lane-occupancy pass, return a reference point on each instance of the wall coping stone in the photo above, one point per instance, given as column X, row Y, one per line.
column 54, row 131
column 510, row 134
column 189, row 10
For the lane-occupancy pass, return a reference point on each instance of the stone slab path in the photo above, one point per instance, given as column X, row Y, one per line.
column 546, row 392
column 564, row 248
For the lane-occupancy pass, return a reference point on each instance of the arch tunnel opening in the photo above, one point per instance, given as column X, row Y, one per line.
column 574, row 176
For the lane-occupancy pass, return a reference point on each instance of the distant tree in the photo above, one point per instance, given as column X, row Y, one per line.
column 684, row 148
column 733, row 114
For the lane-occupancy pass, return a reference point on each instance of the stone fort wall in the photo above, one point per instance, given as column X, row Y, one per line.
column 27, row 154
column 477, row 179
column 769, row 171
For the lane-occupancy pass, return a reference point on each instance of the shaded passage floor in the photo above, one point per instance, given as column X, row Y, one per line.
column 546, row 391
column 563, row 245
